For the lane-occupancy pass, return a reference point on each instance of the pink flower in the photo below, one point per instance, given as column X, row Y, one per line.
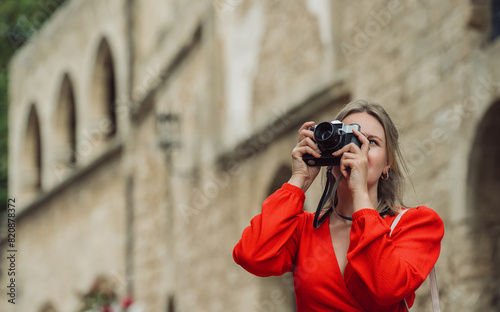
column 106, row 309
column 127, row 302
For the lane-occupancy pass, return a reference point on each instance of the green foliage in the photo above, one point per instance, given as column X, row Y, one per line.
column 3, row 139
column 19, row 20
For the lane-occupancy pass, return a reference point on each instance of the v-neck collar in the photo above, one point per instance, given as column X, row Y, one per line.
column 326, row 231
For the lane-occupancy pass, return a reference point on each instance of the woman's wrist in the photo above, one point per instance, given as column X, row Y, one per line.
column 298, row 182
column 361, row 200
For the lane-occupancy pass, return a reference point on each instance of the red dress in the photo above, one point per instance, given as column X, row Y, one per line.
column 381, row 271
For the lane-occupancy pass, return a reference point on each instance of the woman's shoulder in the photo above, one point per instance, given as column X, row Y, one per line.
column 422, row 215
column 420, row 211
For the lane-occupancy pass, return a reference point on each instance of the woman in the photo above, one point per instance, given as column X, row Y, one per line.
column 352, row 262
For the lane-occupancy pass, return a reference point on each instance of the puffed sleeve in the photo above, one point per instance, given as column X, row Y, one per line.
column 268, row 246
column 392, row 267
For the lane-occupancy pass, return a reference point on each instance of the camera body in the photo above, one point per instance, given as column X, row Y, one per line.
column 330, row 137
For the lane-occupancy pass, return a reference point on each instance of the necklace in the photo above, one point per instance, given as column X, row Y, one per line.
column 382, row 214
column 343, row 217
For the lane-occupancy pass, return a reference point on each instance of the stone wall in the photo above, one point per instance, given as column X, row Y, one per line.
column 209, row 96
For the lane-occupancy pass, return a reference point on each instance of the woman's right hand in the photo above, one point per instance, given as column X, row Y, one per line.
column 302, row 174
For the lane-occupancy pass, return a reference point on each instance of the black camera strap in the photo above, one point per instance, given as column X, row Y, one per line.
column 329, row 188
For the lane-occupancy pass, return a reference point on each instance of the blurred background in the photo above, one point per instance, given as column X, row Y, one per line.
column 139, row 138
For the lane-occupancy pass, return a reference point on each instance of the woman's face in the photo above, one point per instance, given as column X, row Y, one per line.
column 377, row 155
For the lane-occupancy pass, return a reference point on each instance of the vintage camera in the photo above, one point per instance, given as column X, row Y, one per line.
column 330, row 137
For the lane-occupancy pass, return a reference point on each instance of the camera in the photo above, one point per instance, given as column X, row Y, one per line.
column 330, row 137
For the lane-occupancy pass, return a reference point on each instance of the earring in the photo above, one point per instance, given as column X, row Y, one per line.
column 385, row 176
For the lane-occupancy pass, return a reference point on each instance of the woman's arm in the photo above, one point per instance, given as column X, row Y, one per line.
column 268, row 246
column 390, row 268
column 302, row 174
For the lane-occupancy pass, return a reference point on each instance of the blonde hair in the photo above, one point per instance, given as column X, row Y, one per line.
column 390, row 192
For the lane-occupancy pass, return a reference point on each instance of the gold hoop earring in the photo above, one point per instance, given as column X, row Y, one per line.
column 385, row 176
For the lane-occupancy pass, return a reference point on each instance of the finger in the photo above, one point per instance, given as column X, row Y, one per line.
column 306, row 126
column 365, row 143
column 351, row 147
column 344, row 169
column 341, row 151
column 309, row 142
column 300, row 151
column 349, row 155
column 305, row 132
column 348, row 165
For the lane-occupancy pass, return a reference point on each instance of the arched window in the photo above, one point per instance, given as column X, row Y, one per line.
column 102, row 106
column 47, row 308
column 495, row 19
column 65, row 125
column 484, row 204
column 171, row 304
column 281, row 176
column 31, row 156
column 276, row 293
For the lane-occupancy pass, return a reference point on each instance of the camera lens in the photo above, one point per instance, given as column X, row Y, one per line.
column 326, row 135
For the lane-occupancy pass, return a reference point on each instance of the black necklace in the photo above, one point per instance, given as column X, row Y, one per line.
column 382, row 214
column 343, row 217
column 330, row 188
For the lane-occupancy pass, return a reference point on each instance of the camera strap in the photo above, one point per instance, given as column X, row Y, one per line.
column 327, row 193
column 329, row 188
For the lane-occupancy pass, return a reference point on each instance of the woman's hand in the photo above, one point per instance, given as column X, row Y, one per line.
column 302, row 174
column 354, row 165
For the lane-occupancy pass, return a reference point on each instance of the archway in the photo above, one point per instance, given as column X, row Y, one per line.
column 484, row 204
column 277, row 293
column 102, row 106
column 31, row 156
column 47, row 308
column 65, row 125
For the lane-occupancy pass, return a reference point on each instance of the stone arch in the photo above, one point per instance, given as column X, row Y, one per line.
column 103, row 94
column 277, row 293
column 47, row 308
column 281, row 176
column 171, row 304
column 65, row 125
column 31, row 156
column 483, row 185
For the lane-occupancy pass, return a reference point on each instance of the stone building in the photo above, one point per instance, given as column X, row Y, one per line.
column 144, row 136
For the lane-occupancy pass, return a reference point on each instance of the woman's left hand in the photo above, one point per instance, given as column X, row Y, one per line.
column 354, row 164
